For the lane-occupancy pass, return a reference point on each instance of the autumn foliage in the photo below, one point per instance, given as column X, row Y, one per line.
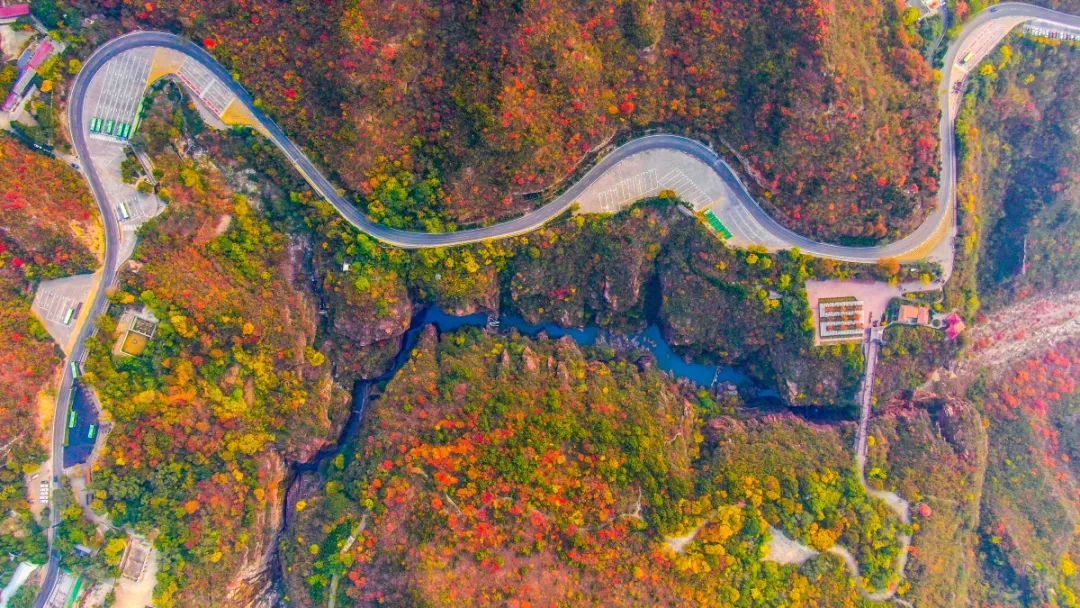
column 441, row 114
column 47, row 230
column 502, row 470
column 228, row 392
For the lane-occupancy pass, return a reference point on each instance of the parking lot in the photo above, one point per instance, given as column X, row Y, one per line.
column 56, row 307
column 627, row 191
column 647, row 174
column 205, row 85
column 55, row 300
column 115, row 112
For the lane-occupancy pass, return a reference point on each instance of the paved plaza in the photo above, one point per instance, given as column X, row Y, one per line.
column 58, row 303
column 647, row 174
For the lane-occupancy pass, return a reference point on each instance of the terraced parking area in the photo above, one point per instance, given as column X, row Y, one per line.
column 115, row 115
column 205, row 85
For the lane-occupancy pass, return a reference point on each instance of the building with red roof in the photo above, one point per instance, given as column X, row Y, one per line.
column 41, row 53
column 29, row 63
column 954, row 326
column 12, row 12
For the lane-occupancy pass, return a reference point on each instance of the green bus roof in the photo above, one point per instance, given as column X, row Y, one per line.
column 717, row 225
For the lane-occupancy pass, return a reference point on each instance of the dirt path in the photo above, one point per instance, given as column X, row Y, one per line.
column 897, row 505
column 785, row 550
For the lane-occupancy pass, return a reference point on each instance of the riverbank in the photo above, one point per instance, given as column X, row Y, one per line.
column 308, row 478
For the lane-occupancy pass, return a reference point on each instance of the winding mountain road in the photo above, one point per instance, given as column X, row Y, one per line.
column 979, row 36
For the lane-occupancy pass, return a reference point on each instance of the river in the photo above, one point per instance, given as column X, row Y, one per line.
column 650, row 340
column 307, row 477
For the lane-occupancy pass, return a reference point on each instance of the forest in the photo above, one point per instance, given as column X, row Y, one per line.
column 987, row 457
column 439, row 115
column 244, row 377
column 270, row 306
column 649, row 264
column 49, row 230
column 1018, row 186
column 1028, row 540
column 519, row 472
column 227, row 392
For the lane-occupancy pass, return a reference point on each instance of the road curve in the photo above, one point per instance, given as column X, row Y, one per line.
column 534, row 219
column 928, row 230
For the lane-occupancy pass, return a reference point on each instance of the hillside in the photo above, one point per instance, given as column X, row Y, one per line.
column 498, row 469
column 229, row 391
column 49, row 230
column 1029, row 541
column 447, row 114
column 1019, row 189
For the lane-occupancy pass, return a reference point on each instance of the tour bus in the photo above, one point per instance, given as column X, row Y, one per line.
column 109, row 127
column 95, row 125
column 121, row 129
column 72, row 417
column 69, row 315
column 124, row 213
column 91, row 431
column 966, row 58
column 75, row 370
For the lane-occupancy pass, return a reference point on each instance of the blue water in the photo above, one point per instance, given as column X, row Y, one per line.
column 651, row 340
column 79, row 443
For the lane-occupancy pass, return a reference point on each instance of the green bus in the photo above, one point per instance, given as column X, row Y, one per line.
column 967, row 58
column 69, row 315
column 74, row 370
column 72, row 417
column 109, row 127
column 91, row 431
column 95, row 125
column 717, row 225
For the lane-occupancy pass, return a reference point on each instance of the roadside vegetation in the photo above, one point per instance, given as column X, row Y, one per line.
column 271, row 305
column 1018, row 185
column 48, row 231
column 228, row 392
column 244, row 377
column 652, row 263
column 987, row 459
column 830, row 104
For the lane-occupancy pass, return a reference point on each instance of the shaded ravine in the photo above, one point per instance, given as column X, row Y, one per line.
column 666, row 360
column 307, row 476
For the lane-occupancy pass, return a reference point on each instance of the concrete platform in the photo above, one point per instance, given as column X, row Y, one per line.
column 649, row 173
column 54, row 299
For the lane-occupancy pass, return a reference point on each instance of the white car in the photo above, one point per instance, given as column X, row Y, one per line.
column 43, row 494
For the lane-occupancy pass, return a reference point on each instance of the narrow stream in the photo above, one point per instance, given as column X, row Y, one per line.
column 307, row 477
column 650, row 339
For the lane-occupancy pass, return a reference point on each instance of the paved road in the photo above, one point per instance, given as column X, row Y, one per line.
column 525, row 223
